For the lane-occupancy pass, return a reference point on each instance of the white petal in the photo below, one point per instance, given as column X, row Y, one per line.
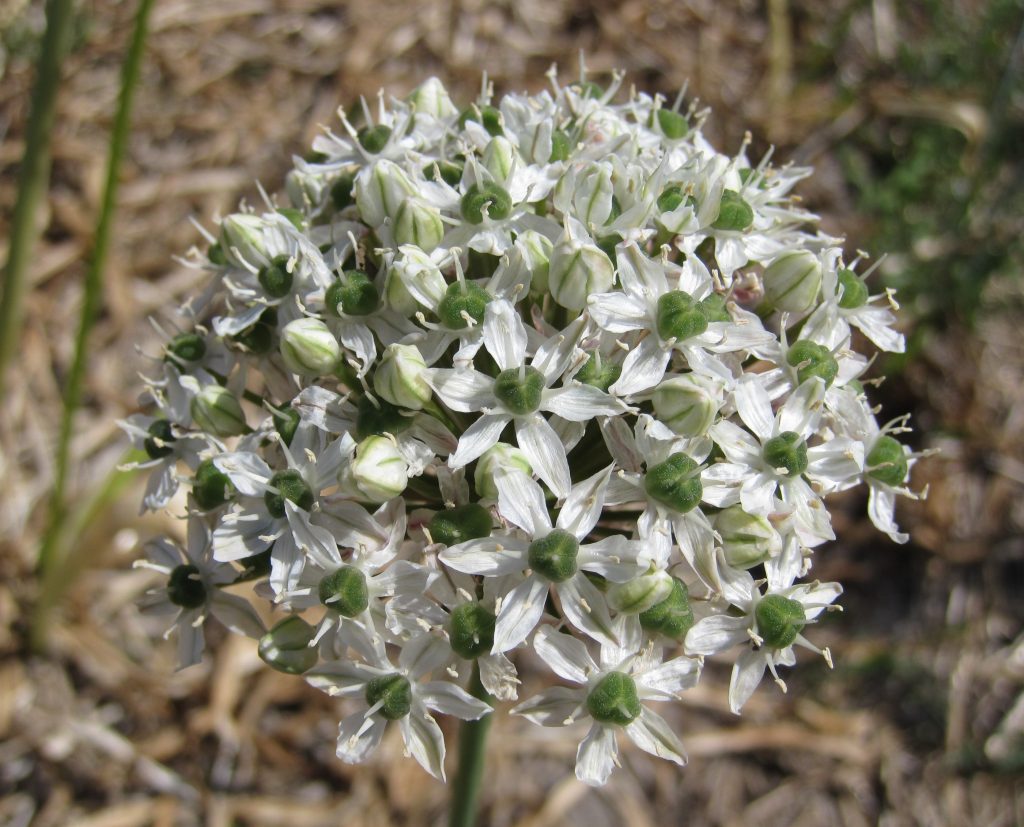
column 463, row 390
column 754, row 406
column 236, row 614
column 491, row 556
column 882, row 511
column 875, row 323
column 425, row 741
column 424, row 654
column 538, row 440
column 499, row 676
column 595, row 759
column 357, row 737
column 521, row 610
column 350, row 525
column 746, row 675
column 582, row 508
column 666, row 681
column 504, row 335
column 617, row 312
column 615, row 558
column 585, row 607
column 237, row 538
column 317, row 542
column 566, row 655
column 190, row 640
column 521, row 500
column 247, row 472
column 342, row 678
column 161, row 486
column 449, row 699
column 715, row 634
column 552, row 707
column 477, row 438
column 581, row 403
column 643, row 368
column 803, row 408
column 652, row 734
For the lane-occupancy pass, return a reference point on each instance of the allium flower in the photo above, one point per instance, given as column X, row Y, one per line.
column 542, row 372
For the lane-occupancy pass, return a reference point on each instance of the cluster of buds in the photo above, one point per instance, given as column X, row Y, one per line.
column 547, row 371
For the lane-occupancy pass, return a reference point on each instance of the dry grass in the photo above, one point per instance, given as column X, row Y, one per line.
column 100, row 731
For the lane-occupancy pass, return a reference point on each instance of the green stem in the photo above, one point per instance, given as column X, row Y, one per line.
column 472, row 748
column 34, row 175
column 93, row 293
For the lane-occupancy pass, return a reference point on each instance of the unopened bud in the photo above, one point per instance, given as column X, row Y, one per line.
column 792, row 282
column 578, row 269
column 641, row 593
column 417, row 222
column 500, row 456
column 380, row 190
column 309, row 348
column 378, row 471
column 241, row 239
column 216, row 410
column 399, row 377
column 433, row 99
column 688, row 404
column 536, row 252
column 746, row 539
column 499, row 158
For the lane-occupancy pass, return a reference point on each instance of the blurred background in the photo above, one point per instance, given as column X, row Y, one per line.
column 913, row 115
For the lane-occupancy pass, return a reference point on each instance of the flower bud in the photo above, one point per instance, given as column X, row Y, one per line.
column 471, row 630
column 688, row 404
column 286, row 647
column 499, row 158
column 380, row 190
column 433, row 99
column 786, row 454
column 457, row 525
column 746, row 539
column 241, row 239
column 779, row 620
column 304, row 188
column 399, row 377
column 378, row 470
column 309, row 348
column 397, row 295
column 673, row 616
column 500, row 456
column 417, row 222
column 640, row 593
column 216, row 410
column 675, row 483
column 614, row 700
column 536, row 257
column 578, row 269
column 792, row 282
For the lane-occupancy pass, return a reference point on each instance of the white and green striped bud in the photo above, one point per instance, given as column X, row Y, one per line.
column 241, row 240
column 641, row 593
column 792, row 282
column 536, row 258
column 217, row 411
column 378, row 472
column 688, row 404
column 500, row 158
column 417, row 222
column 380, row 190
column 578, row 268
column 502, row 456
column 287, row 647
column 309, row 348
column 399, row 377
column 747, row 540
column 431, row 98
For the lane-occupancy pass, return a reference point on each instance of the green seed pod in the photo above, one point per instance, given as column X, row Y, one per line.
column 675, row 483
column 671, row 198
column 374, row 138
column 158, row 444
column 486, row 116
column 679, row 316
column 640, row 593
column 499, row 456
column 855, row 291
column 188, row 347
column 354, row 293
column 256, row 565
column 308, row 347
column 486, row 200
column 341, row 191
column 286, row 422
column 288, row 485
column 185, row 588
column 673, row 616
column 450, row 172
column 393, row 692
column 734, row 213
column 471, row 630
column 418, row 223
column 217, row 411
column 211, row 487
column 812, row 359
column 377, row 417
column 276, row 278
column 673, row 125
column 216, row 254
column 519, row 389
column 462, row 298
column 779, row 620
column 747, row 540
column 688, row 404
column 561, row 146
column 792, row 281
column 613, row 700
column 714, row 308
column 786, row 453
column 457, row 525
column 286, row 647
column 599, row 373
column 887, row 461
column 554, row 557
column 345, row 591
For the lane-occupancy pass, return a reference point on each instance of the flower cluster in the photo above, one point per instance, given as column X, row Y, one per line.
column 547, row 371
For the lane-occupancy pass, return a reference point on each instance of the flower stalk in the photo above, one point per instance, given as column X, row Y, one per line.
column 472, row 755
